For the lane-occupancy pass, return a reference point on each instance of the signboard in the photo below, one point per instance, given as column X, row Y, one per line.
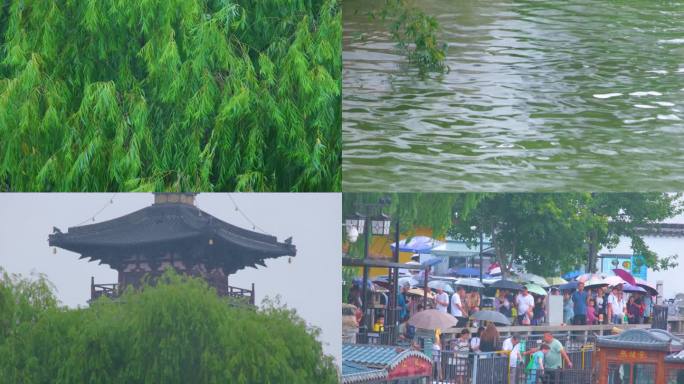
column 555, row 309
column 411, row 367
column 633, row 264
column 632, row 355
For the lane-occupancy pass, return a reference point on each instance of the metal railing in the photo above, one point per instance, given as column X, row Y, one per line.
column 493, row 368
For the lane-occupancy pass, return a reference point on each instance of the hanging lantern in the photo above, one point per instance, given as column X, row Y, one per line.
column 357, row 221
column 380, row 225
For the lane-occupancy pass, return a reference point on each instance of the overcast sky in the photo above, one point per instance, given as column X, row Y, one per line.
column 311, row 283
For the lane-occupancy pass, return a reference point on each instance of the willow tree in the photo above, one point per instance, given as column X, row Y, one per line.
column 170, row 95
column 179, row 331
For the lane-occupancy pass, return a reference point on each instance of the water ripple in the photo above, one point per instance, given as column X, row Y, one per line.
column 541, row 95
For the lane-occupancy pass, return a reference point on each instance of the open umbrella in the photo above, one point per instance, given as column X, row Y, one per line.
column 572, row 275
column 624, row 275
column 627, row 287
column 589, row 276
column 506, row 284
column 419, row 292
column 431, row 262
column 465, row 272
column 595, row 282
column 466, row 282
column 435, row 284
column 613, row 280
column 432, row 319
column 534, row 288
column 647, row 286
column 417, row 244
column 532, row 278
column 568, row 286
column 556, row 280
column 493, row 316
column 358, row 281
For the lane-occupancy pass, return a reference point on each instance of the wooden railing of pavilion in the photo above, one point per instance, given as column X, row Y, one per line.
column 112, row 291
column 241, row 293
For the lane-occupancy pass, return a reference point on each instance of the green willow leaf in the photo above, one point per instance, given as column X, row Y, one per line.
column 211, row 95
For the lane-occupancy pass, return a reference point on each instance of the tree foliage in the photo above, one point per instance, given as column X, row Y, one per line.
column 416, row 33
column 547, row 233
column 170, row 95
column 179, row 331
column 550, row 233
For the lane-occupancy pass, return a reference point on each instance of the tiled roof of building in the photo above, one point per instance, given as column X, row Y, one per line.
column 675, row 357
column 357, row 373
column 379, row 356
column 649, row 339
column 172, row 226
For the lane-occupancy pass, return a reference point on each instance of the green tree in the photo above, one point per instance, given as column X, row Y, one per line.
column 416, row 33
column 547, row 233
column 550, row 233
column 630, row 215
column 178, row 331
column 544, row 232
column 170, row 95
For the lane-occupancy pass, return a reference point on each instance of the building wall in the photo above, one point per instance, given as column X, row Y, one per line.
column 663, row 246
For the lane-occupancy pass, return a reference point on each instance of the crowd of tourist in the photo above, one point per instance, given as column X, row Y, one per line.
column 529, row 364
column 581, row 306
column 604, row 305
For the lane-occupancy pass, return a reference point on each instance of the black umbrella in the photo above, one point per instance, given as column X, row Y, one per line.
column 569, row 286
column 506, row 284
column 493, row 316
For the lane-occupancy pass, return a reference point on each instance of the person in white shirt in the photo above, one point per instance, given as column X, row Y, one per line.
column 441, row 300
column 514, row 357
column 457, row 309
column 475, row 340
column 507, row 344
column 615, row 306
column 525, row 303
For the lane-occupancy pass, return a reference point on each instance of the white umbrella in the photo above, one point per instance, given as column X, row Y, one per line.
column 434, row 284
column 613, row 280
column 468, row 282
column 532, row 278
column 595, row 282
column 432, row 319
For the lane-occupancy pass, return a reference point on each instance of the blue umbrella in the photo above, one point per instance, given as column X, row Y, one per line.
column 358, row 281
column 572, row 275
column 569, row 286
column 431, row 262
column 465, row 272
column 627, row 287
column 417, row 244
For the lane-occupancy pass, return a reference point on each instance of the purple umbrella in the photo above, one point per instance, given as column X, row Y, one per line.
column 624, row 275
column 647, row 286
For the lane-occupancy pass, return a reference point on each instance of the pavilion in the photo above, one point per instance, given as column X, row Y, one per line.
column 171, row 233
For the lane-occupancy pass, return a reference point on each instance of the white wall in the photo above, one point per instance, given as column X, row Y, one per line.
column 673, row 279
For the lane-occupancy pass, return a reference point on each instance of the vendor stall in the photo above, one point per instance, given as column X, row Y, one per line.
column 635, row 356
column 384, row 364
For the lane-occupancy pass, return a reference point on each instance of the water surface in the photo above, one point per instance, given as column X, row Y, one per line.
column 541, row 95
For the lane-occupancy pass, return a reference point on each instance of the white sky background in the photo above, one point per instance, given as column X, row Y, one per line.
column 311, row 283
